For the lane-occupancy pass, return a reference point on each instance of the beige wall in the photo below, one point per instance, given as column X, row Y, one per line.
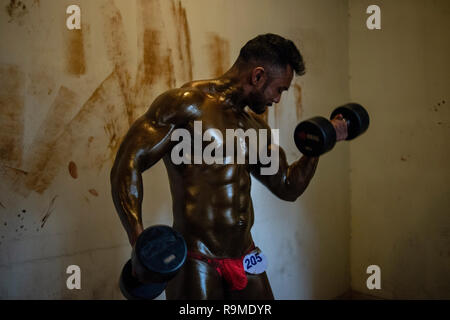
column 400, row 177
column 67, row 98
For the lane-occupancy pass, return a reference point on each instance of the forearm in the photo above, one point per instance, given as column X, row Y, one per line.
column 291, row 181
column 127, row 194
column 298, row 176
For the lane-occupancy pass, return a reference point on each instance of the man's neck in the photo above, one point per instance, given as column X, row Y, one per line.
column 232, row 85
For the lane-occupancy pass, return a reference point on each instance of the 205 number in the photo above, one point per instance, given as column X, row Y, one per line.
column 253, row 260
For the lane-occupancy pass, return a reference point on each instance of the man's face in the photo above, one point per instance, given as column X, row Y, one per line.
column 269, row 92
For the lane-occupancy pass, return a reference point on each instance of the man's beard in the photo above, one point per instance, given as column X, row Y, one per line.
column 257, row 103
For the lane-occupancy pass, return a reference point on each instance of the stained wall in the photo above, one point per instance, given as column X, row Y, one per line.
column 67, row 98
column 399, row 180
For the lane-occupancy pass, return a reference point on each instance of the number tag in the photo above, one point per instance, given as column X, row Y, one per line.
column 255, row 262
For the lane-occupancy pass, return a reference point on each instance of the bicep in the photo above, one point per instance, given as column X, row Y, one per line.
column 271, row 164
column 271, row 171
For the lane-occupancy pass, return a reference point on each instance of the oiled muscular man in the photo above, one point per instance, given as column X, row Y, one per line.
column 212, row 206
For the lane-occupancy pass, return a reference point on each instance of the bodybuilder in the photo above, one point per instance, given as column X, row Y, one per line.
column 212, row 206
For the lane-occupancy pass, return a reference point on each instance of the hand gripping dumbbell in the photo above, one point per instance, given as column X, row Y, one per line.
column 317, row 135
column 158, row 255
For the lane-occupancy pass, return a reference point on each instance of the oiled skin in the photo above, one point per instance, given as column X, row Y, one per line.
column 212, row 206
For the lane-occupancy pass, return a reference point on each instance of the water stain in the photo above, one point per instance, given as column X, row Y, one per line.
column 16, row 9
column 104, row 106
column 277, row 114
column 75, row 57
column 111, row 108
column 152, row 60
column 93, row 192
column 44, row 159
column 1, row 205
column 111, row 128
column 298, row 101
column 116, row 41
column 404, row 158
column 89, row 143
column 16, row 170
column 40, row 84
column 156, row 63
column 49, row 211
column 183, row 40
column 11, row 176
column 73, row 170
column 168, row 64
column 12, row 102
column 298, row 106
column 219, row 54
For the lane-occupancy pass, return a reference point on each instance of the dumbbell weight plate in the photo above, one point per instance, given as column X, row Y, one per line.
column 158, row 255
column 356, row 116
column 132, row 289
column 315, row 136
column 160, row 251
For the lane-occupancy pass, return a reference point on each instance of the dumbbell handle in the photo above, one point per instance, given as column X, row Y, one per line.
column 356, row 116
column 337, row 124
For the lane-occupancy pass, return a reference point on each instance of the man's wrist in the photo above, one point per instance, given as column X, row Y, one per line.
column 135, row 234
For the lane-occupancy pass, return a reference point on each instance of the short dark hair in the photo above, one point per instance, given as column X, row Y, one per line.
column 273, row 49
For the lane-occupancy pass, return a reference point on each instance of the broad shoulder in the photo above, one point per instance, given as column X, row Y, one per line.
column 176, row 106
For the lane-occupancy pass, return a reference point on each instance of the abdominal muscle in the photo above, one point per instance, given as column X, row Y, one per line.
column 212, row 208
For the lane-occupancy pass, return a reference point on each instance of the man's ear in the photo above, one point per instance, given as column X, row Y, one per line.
column 259, row 77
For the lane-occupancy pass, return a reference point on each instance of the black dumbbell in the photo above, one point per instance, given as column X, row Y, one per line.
column 317, row 135
column 158, row 255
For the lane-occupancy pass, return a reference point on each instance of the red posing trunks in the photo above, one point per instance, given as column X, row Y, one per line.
column 232, row 269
